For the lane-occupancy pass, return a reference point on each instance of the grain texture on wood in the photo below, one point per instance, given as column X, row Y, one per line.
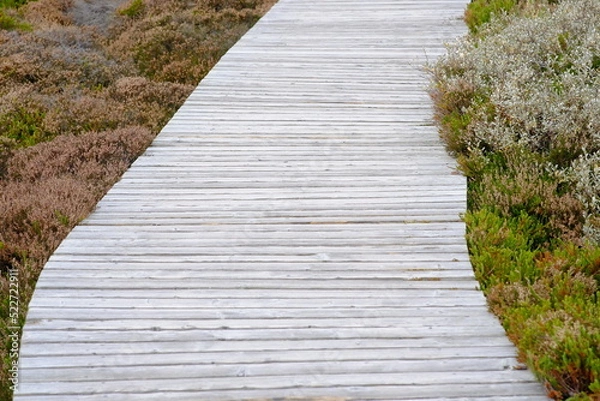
column 293, row 233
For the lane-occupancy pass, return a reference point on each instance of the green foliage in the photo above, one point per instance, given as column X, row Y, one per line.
column 12, row 3
column 480, row 12
column 503, row 251
column 567, row 355
column 134, row 9
column 7, row 147
column 10, row 22
column 24, row 126
column 7, row 22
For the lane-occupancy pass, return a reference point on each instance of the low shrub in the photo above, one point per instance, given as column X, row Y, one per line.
column 48, row 13
column 9, row 20
column 504, row 250
column 12, row 3
column 480, row 12
column 554, row 319
column 133, row 9
column 23, row 124
column 517, row 182
column 46, row 190
column 584, row 176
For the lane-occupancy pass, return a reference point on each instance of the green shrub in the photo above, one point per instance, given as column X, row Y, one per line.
column 567, row 355
column 24, row 126
column 7, row 22
column 12, row 3
column 11, row 22
column 503, row 250
column 134, row 9
column 480, row 12
column 516, row 182
column 7, row 147
column 547, row 301
column 179, row 44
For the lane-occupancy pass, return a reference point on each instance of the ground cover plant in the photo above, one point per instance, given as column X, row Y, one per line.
column 518, row 103
column 84, row 87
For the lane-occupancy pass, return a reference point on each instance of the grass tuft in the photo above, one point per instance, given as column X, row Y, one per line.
column 480, row 12
column 10, row 21
column 133, row 10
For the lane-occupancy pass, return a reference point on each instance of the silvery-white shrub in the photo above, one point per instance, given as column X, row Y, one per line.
column 541, row 75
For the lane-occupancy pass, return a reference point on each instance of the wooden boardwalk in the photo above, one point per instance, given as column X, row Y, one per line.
column 293, row 233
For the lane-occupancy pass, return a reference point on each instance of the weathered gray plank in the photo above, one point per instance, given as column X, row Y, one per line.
column 400, row 348
column 322, row 313
column 384, row 393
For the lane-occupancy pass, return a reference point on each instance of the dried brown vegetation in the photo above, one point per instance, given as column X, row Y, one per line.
column 83, row 90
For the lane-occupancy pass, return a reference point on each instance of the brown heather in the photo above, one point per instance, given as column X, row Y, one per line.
column 51, row 186
column 48, row 12
column 82, row 94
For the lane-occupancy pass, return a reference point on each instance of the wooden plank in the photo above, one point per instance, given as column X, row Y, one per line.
column 172, row 363
column 323, row 313
column 100, row 273
column 161, row 370
column 412, row 393
column 455, row 300
column 394, row 269
column 265, row 324
column 502, row 379
column 285, row 350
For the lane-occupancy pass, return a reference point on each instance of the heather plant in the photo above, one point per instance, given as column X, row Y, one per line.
column 48, row 12
column 80, row 98
column 584, row 176
column 517, row 104
column 46, row 190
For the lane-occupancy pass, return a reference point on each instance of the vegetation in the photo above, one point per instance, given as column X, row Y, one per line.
column 9, row 18
column 12, row 3
column 133, row 9
column 81, row 96
column 517, row 103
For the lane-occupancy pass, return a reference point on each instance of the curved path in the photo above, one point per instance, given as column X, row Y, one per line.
column 293, row 233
